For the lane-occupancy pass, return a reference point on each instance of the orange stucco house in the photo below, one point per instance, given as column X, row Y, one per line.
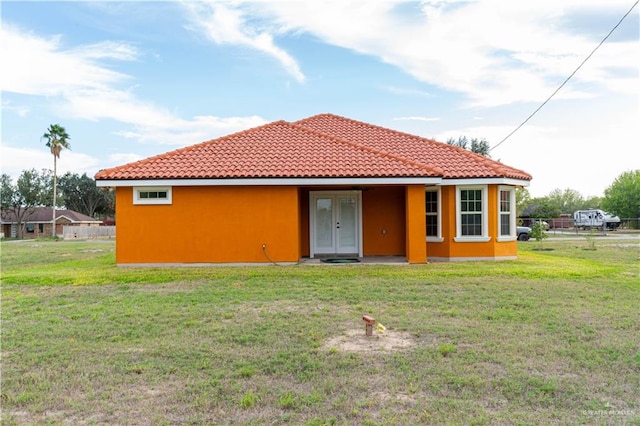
column 322, row 186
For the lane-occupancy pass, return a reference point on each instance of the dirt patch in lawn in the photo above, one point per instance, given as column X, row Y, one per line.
column 357, row 341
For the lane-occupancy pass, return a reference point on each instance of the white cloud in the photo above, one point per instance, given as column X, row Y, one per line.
column 225, row 24
column 495, row 52
column 406, row 92
column 107, row 49
column 81, row 88
column 78, row 86
column 21, row 110
column 124, row 158
column 35, row 65
column 27, row 158
column 414, row 118
column 200, row 129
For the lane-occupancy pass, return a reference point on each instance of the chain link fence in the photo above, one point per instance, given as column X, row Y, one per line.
column 566, row 225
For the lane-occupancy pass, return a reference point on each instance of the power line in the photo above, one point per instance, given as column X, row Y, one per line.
column 567, row 79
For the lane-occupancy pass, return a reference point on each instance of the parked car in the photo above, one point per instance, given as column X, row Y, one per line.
column 542, row 223
column 523, row 233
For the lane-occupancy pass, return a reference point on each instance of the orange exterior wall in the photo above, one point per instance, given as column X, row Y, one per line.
column 383, row 221
column 230, row 225
column 416, row 227
column 452, row 250
column 209, row 225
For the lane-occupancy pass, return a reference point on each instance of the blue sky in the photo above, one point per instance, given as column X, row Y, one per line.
column 129, row 80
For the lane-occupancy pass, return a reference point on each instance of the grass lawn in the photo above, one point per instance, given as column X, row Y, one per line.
column 551, row 338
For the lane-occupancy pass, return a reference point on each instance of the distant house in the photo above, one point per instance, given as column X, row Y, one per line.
column 38, row 224
column 322, row 186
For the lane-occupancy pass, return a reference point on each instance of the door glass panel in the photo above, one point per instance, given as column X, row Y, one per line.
column 324, row 223
column 347, row 230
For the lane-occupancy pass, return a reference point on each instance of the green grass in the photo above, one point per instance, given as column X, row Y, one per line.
column 553, row 337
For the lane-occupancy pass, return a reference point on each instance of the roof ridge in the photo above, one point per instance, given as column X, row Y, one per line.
column 495, row 165
column 371, row 125
column 429, row 169
column 401, row 158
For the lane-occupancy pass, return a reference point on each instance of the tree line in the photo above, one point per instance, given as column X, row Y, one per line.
column 34, row 188
column 621, row 198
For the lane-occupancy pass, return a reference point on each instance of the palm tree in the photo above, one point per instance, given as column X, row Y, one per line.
column 57, row 139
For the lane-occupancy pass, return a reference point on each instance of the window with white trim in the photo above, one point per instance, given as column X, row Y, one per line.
column 433, row 218
column 506, row 213
column 152, row 195
column 471, row 214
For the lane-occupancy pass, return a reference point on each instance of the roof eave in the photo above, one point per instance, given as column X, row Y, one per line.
column 407, row 180
column 486, row 181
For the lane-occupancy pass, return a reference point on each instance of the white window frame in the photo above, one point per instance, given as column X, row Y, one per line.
column 459, row 238
column 438, row 237
column 151, row 201
column 512, row 214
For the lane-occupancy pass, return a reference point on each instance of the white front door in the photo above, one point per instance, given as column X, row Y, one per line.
column 335, row 219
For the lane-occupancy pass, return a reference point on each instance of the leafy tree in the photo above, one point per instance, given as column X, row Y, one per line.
column 7, row 191
column 544, row 209
column 622, row 197
column 537, row 233
column 479, row 146
column 20, row 200
column 566, row 201
column 81, row 194
column 592, row 202
column 523, row 198
column 57, row 140
column 461, row 142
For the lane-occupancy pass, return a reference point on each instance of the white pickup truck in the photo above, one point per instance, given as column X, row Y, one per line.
column 595, row 218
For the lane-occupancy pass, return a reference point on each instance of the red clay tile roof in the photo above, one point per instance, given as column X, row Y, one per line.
column 454, row 161
column 322, row 146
